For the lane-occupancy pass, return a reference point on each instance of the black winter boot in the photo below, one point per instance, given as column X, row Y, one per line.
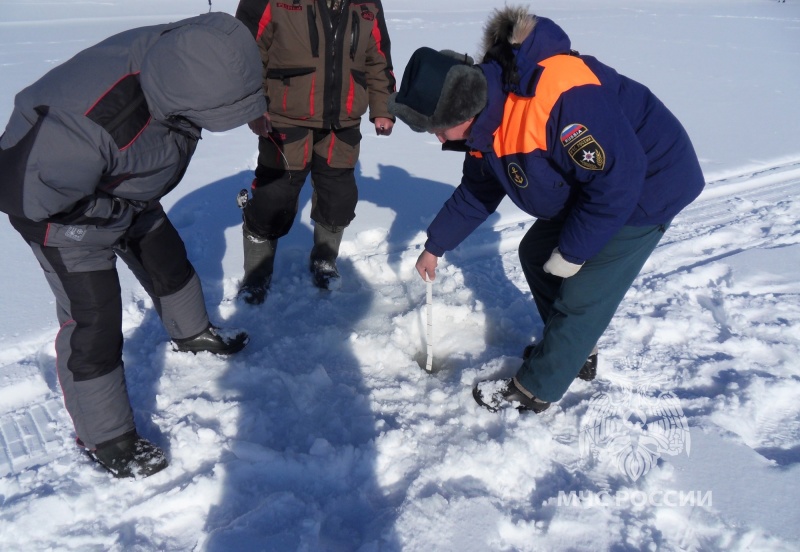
column 327, row 240
column 326, row 275
column 210, row 341
column 496, row 394
column 128, row 456
column 588, row 370
column 259, row 259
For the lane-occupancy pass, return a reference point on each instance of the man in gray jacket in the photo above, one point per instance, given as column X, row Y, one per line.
column 90, row 149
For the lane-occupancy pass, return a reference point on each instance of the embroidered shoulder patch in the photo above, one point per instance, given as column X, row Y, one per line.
column 583, row 148
column 517, row 175
column 571, row 133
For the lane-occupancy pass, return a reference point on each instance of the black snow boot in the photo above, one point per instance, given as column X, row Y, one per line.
column 327, row 240
column 588, row 370
column 259, row 259
column 254, row 292
column 326, row 275
column 128, row 456
column 496, row 394
column 211, row 341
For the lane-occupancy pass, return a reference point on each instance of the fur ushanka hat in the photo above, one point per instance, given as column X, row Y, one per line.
column 439, row 90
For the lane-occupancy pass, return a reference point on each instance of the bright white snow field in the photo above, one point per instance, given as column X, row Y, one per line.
column 325, row 435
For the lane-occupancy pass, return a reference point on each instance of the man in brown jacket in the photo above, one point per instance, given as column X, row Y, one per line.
column 325, row 62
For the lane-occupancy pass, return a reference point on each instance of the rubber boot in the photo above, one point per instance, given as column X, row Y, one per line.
column 327, row 240
column 259, row 258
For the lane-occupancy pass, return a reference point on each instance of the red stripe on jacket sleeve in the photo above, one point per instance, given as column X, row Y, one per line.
column 376, row 35
column 266, row 17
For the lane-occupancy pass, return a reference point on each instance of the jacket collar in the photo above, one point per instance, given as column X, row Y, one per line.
column 486, row 123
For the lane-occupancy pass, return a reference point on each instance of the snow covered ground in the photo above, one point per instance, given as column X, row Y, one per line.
column 325, row 434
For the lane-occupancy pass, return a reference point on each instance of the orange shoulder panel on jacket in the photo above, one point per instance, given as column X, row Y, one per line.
column 524, row 126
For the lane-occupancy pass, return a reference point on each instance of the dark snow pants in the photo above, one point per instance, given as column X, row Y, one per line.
column 84, row 280
column 285, row 160
column 576, row 310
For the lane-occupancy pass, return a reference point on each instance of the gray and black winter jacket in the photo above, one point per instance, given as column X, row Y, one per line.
column 95, row 139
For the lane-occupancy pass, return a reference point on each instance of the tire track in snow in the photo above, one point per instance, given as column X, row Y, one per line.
column 753, row 209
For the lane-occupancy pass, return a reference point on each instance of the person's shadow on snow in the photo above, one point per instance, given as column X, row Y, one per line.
column 204, row 216
column 300, row 465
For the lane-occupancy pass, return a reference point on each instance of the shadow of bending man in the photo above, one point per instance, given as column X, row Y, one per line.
column 299, row 467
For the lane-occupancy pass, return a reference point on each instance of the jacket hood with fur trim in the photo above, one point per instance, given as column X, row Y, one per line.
column 513, row 44
column 517, row 41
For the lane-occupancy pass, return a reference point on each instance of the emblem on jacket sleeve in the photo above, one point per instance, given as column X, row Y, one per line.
column 75, row 233
column 517, row 176
column 583, row 148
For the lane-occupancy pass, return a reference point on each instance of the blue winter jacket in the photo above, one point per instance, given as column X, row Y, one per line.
column 570, row 140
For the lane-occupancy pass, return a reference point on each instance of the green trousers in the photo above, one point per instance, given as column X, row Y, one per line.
column 576, row 310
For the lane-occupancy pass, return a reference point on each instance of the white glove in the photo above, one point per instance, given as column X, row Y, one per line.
column 559, row 266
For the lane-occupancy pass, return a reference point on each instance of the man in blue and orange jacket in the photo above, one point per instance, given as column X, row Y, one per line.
column 600, row 162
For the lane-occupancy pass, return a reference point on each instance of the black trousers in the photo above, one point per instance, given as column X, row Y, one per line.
column 285, row 160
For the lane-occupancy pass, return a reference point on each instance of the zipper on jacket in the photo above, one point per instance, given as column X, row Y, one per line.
column 313, row 34
column 354, row 36
column 332, row 82
column 332, row 62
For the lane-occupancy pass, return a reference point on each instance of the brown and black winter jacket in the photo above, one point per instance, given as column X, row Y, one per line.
column 320, row 70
